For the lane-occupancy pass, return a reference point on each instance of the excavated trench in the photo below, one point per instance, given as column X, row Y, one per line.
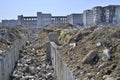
column 32, row 64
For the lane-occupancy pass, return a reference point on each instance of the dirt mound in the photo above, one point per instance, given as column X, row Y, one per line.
column 9, row 35
column 106, row 42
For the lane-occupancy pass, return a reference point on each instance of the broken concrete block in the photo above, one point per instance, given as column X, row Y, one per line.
column 1, row 51
column 101, row 66
column 72, row 45
column 98, row 44
column 108, row 77
column 106, row 55
column 27, row 42
column 89, row 57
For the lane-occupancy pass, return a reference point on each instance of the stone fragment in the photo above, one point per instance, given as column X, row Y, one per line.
column 49, row 75
column 38, row 68
column 19, row 65
column 27, row 77
column 89, row 75
column 103, row 65
column 108, row 77
column 89, row 57
column 106, row 55
column 1, row 51
column 98, row 44
column 27, row 42
column 72, row 45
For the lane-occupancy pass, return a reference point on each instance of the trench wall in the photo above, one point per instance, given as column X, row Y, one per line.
column 61, row 69
column 8, row 59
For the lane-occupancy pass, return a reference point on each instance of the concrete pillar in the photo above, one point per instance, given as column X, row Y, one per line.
column 53, row 36
column 39, row 19
column 48, row 52
column 62, row 20
column 20, row 19
column 55, row 21
column 1, row 68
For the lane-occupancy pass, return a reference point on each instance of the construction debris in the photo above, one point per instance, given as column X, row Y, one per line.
column 8, row 36
column 32, row 64
column 90, row 53
column 106, row 54
column 90, row 57
column 105, row 45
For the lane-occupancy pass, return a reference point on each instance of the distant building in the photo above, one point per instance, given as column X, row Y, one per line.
column 102, row 15
column 88, row 17
column 96, row 16
column 0, row 24
column 109, row 15
column 9, row 22
column 59, row 19
column 44, row 19
column 27, row 21
column 75, row 19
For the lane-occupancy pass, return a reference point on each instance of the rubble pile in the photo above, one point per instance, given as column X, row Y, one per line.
column 90, row 53
column 8, row 36
column 94, row 53
column 32, row 64
column 59, row 26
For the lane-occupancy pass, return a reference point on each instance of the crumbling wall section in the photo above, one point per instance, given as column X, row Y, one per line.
column 61, row 69
column 8, row 59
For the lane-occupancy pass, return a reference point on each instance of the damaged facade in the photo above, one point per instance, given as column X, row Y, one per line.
column 9, row 22
column 107, row 15
column 88, row 17
column 43, row 19
column 75, row 19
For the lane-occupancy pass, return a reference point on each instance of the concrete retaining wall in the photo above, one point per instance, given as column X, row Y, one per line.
column 8, row 59
column 61, row 69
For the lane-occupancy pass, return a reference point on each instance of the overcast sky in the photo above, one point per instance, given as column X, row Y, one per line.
column 9, row 9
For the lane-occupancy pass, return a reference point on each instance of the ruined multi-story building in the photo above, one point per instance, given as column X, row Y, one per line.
column 102, row 15
column 58, row 19
column 43, row 19
column 112, row 13
column 96, row 16
column 88, row 17
column 27, row 20
column 9, row 22
column 75, row 19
